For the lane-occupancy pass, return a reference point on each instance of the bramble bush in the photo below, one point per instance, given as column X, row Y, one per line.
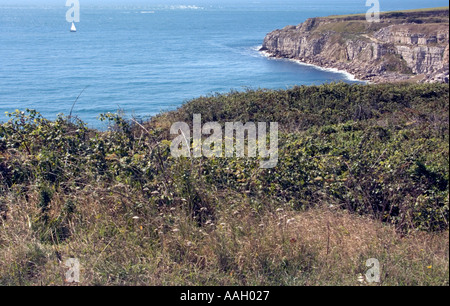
column 378, row 150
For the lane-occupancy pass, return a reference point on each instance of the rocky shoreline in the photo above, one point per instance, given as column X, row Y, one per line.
column 404, row 46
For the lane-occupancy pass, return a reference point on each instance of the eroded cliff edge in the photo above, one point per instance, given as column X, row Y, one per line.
column 408, row 45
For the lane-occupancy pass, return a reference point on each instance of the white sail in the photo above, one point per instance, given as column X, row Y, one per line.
column 73, row 28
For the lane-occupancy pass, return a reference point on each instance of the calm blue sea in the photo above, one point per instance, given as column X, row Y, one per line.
column 145, row 57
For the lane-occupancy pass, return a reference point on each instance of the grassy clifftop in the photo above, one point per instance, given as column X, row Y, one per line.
column 363, row 173
column 424, row 15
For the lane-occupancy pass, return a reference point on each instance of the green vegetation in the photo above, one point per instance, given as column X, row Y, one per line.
column 430, row 9
column 363, row 173
column 425, row 12
column 429, row 20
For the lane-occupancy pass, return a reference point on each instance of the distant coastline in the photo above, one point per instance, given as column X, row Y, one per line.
column 404, row 46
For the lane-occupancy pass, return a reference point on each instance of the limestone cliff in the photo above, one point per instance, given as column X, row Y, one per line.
column 409, row 45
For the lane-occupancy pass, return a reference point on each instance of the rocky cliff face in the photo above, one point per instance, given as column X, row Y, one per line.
column 403, row 46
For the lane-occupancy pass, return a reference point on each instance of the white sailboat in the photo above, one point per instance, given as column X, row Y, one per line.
column 73, row 28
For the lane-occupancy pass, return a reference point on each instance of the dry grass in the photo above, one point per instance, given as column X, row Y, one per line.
column 122, row 239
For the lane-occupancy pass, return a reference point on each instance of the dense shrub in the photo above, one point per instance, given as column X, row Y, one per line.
column 378, row 150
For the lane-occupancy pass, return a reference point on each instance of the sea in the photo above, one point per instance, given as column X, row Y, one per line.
column 145, row 57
